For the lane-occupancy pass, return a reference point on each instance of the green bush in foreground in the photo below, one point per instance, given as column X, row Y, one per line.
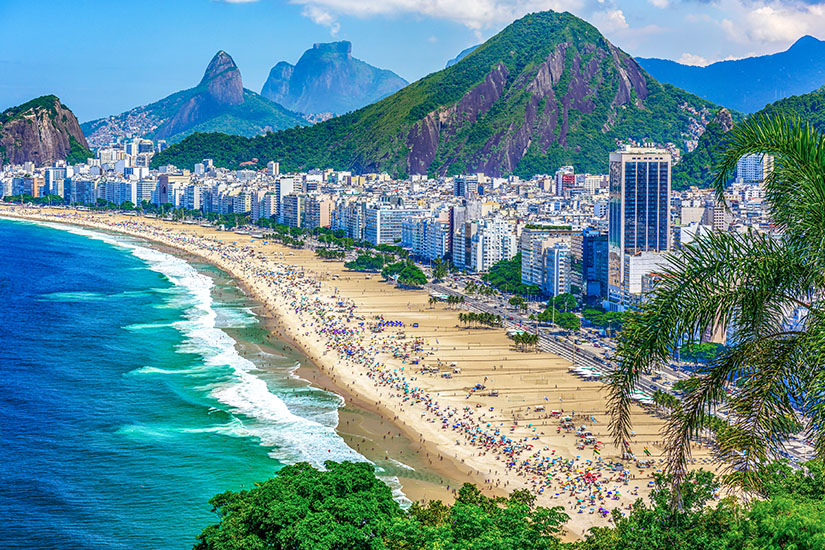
column 305, row 509
column 346, row 507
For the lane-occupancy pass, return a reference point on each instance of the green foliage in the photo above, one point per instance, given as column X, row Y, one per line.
column 393, row 249
column 611, row 320
column 346, row 507
column 440, row 269
column 28, row 199
column 506, row 277
column 77, row 153
column 46, row 102
column 658, row 527
column 565, row 302
column 686, row 385
column 525, row 339
column 305, row 509
column 330, row 253
column 477, row 522
column 250, row 118
column 697, row 167
column 704, row 352
column 367, row 262
column 411, row 276
column 481, row 319
column 454, row 300
column 565, row 320
column 391, row 270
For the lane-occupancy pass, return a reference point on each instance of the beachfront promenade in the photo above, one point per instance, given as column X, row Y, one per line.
column 475, row 405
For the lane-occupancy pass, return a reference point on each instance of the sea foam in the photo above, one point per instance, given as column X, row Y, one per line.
column 257, row 411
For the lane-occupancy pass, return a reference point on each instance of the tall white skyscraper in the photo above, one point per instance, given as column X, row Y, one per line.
column 638, row 219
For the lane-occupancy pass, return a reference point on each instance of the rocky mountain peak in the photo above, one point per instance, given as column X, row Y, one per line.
column 343, row 47
column 327, row 79
column 222, row 79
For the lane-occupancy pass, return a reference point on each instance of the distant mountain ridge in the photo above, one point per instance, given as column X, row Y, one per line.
column 41, row 131
column 461, row 55
column 327, row 79
column 546, row 91
column 749, row 84
column 219, row 103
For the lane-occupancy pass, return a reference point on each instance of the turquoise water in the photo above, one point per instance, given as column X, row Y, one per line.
column 134, row 387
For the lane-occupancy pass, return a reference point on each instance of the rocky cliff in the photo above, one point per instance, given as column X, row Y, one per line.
column 41, row 131
column 219, row 103
column 327, row 79
column 547, row 91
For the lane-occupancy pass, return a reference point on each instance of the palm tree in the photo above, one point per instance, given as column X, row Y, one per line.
column 746, row 284
column 439, row 269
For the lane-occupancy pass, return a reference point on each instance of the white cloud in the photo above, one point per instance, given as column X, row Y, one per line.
column 474, row 14
column 693, row 59
column 771, row 23
column 609, row 21
column 659, row 3
column 321, row 17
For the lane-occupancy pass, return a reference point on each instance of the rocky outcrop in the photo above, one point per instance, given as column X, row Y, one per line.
column 425, row 137
column 724, row 119
column 41, row 131
column 327, row 79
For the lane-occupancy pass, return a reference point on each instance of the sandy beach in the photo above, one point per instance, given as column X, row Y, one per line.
column 501, row 418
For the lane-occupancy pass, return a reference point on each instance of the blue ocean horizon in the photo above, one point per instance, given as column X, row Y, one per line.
column 133, row 391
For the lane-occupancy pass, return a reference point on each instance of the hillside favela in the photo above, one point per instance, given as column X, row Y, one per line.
column 489, row 275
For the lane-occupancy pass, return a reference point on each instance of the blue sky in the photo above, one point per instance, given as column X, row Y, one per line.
column 104, row 57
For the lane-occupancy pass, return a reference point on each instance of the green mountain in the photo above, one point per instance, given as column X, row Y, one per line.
column 42, row 131
column 546, row 91
column 698, row 164
column 219, row 103
column 328, row 80
column 696, row 167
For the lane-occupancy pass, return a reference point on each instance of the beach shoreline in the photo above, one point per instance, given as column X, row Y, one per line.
column 524, row 382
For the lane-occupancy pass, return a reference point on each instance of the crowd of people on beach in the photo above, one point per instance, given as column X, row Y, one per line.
column 379, row 352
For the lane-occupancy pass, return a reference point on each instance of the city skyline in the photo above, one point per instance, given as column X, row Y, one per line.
column 136, row 62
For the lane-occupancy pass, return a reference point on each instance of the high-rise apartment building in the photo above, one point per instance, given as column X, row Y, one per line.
column 565, row 179
column 754, row 168
column 283, row 187
column 383, row 225
column 556, row 272
column 638, row 218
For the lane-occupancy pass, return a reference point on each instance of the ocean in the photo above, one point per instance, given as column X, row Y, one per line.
column 134, row 386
